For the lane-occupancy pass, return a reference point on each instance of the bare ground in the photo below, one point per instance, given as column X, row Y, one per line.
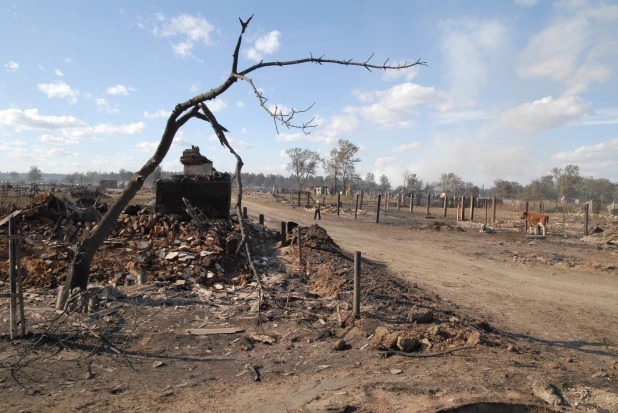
column 553, row 306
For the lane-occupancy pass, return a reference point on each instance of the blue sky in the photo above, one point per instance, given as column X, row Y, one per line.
column 511, row 88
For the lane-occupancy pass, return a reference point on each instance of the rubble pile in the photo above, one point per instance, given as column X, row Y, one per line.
column 600, row 236
column 440, row 226
column 143, row 246
column 257, row 193
column 399, row 315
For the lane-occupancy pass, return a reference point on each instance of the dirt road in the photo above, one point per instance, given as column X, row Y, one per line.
column 549, row 304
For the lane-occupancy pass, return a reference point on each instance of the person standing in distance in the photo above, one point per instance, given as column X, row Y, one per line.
column 317, row 211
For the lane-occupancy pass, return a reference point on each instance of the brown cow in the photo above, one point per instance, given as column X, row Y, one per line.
column 536, row 220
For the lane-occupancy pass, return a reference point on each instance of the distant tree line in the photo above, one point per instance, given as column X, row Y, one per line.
column 340, row 168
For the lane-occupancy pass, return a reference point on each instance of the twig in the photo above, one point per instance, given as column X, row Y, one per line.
column 256, row 375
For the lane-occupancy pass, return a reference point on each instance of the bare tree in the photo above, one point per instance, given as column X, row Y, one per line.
column 385, row 183
column 34, row 175
column 197, row 108
column 303, row 164
column 342, row 162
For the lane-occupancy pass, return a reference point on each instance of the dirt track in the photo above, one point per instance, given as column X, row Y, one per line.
column 549, row 304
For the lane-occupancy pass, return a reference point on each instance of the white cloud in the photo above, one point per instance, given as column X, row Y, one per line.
column 183, row 49
column 216, row 105
column 396, row 106
column 119, row 90
column 161, row 113
column 58, row 140
column 67, row 60
column 589, row 72
column 195, row 87
column 239, row 144
column 104, row 106
column 243, row 130
column 608, row 116
column 58, row 72
column 120, row 130
column 264, row 45
column 61, row 153
column 597, row 160
column 554, row 52
column 42, row 68
column 11, row 66
column 407, row 74
column 59, row 90
column 240, row 104
column 526, row 3
column 546, row 113
column 147, row 147
column 408, row 147
column 574, row 47
column 448, row 118
column 193, row 30
column 468, row 46
column 30, row 119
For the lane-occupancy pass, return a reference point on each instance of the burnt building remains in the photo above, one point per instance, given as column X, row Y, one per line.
column 205, row 187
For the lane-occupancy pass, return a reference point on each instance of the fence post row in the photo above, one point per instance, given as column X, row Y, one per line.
column 356, row 209
column 378, row 210
column 471, row 209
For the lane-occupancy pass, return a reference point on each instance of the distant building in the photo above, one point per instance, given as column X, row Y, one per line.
column 109, row 184
column 321, row 190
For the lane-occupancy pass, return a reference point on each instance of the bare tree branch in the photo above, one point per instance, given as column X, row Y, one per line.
column 320, row 60
column 244, row 25
column 277, row 114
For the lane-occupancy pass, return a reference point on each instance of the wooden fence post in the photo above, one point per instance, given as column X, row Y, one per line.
column 586, row 209
column 564, row 219
column 493, row 207
column 357, row 287
column 463, row 208
column 471, row 208
column 378, row 210
column 428, row 203
column 398, row 198
column 308, row 204
column 338, row 202
column 244, row 212
column 362, row 194
column 445, row 205
column 12, row 280
column 261, row 219
column 458, row 209
column 283, row 233
column 300, row 247
column 411, row 202
column 526, row 222
column 356, row 209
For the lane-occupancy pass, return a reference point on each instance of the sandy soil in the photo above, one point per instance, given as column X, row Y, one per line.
column 548, row 303
column 553, row 306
